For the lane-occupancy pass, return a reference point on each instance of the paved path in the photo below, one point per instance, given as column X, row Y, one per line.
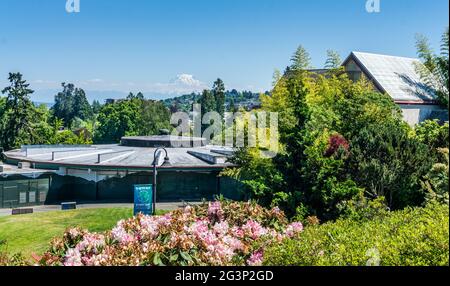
column 48, row 208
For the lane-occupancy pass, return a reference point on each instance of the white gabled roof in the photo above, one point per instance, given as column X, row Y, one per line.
column 397, row 76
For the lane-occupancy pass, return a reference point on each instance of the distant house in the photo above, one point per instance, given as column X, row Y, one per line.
column 397, row 77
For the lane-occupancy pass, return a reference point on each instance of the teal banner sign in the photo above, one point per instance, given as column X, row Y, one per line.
column 143, row 199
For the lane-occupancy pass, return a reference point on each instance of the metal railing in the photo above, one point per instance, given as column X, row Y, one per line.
column 72, row 150
column 99, row 156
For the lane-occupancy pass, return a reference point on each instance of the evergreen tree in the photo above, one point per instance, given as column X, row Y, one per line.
column 219, row 96
column 300, row 60
column 132, row 96
column 96, row 106
column 81, row 107
column 333, row 60
column 71, row 103
column 140, row 96
column 63, row 107
column 207, row 101
column 18, row 117
column 276, row 77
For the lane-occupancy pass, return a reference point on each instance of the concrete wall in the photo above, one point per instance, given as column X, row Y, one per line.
column 414, row 114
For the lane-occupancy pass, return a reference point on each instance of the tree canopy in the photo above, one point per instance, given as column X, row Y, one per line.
column 71, row 103
column 130, row 117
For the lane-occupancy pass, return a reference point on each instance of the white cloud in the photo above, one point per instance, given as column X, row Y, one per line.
column 187, row 80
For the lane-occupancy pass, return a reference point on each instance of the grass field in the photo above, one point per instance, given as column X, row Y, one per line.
column 32, row 233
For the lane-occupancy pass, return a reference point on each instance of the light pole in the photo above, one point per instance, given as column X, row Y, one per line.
column 166, row 163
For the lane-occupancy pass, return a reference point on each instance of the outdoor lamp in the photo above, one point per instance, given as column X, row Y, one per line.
column 166, row 163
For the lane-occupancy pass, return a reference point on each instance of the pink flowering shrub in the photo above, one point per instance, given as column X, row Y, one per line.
column 221, row 233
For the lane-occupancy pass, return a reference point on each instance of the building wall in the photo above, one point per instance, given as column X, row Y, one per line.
column 171, row 186
column 414, row 114
column 22, row 192
column 114, row 187
column 353, row 70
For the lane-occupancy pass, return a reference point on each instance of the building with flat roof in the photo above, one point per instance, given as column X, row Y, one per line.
column 36, row 175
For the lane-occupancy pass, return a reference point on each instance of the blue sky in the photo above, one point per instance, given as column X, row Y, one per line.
column 165, row 47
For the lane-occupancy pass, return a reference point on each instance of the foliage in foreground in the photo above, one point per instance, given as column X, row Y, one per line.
column 412, row 237
column 221, row 233
column 9, row 260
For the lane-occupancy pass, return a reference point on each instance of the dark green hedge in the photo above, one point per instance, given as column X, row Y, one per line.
column 410, row 237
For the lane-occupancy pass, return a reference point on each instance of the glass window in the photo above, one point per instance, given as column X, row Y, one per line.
column 22, row 198
column 32, row 197
column 42, row 196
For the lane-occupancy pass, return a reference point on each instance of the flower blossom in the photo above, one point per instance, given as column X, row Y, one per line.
column 254, row 229
column 121, row 235
column 211, row 235
column 215, row 211
column 221, row 228
column 91, row 243
column 293, row 229
column 72, row 258
column 256, row 259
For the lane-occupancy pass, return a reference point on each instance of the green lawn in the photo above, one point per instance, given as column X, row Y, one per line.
column 32, row 233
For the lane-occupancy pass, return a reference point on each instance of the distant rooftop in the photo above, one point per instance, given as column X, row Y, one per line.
column 397, row 76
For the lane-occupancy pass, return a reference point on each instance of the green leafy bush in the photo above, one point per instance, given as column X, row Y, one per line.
column 433, row 134
column 412, row 237
column 362, row 209
column 435, row 182
column 386, row 162
column 338, row 139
